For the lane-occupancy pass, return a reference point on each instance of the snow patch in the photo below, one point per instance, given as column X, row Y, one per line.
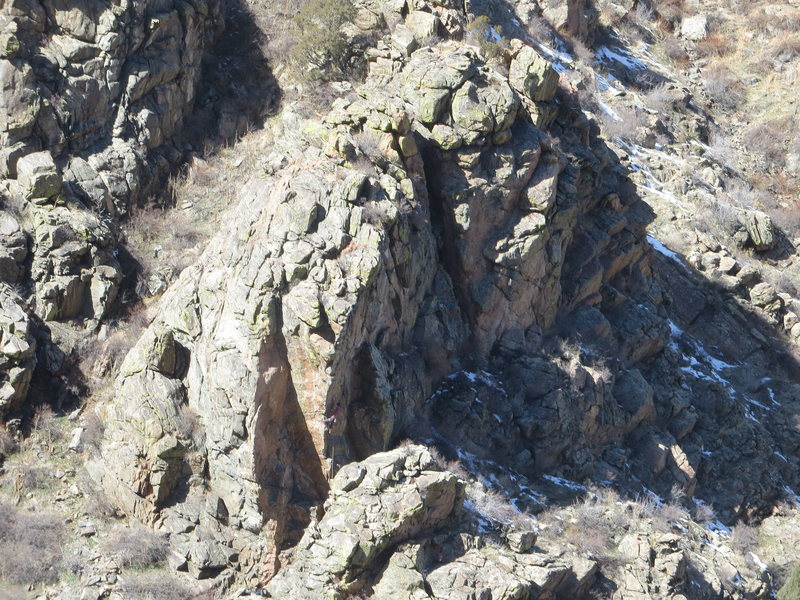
column 793, row 495
column 620, row 56
column 662, row 249
column 565, row 483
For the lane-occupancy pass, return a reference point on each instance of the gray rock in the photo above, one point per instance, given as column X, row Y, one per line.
column 398, row 497
column 694, row 28
column 533, row 76
column 38, row 176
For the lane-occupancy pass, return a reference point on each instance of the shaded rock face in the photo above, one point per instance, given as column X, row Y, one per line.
column 100, row 103
column 99, row 87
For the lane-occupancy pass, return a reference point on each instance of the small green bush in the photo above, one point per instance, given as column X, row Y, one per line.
column 321, row 49
column 489, row 38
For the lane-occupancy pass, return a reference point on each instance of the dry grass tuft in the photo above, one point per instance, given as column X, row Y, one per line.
column 154, row 586
column 31, row 547
column 137, row 547
column 722, row 85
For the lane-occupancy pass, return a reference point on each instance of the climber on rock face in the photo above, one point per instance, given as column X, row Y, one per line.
column 334, row 416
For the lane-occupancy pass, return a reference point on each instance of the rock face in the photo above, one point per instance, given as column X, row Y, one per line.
column 397, row 526
column 100, row 85
column 17, row 351
column 373, row 506
column 451, row 254
column 96, row 98
column 313, row 329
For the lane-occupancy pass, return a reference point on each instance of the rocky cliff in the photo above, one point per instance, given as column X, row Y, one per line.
column 450, row 253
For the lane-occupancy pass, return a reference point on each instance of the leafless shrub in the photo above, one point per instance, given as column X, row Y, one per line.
column 495, row 506
column 643, row 16
column 609, row 12
column 587, row 99
column 540, row 30
column 95, row 502
column 374, row 213
column 671, row 11
column 8, row 443
column 31, row 550
column 659, row 98
column 704, row 512
column 677, row 494
column 29, row 476
column 673, row 49
column 723, row 86
column 137, row 547
column 93, row 429
column 590, row 531
column 669, row 514
column 646, row 506
column 721, row 150
column 769, row 141
column 189, row 426
column 154, row 586
column 744, row 538
column 551, row 524
column 715, row 45
column 368, row 143
column 582, row 52
column 46, row 426
column 594, row 542
column 787, row 218
column 785, row 47
column 625, row 126
column 719, row 218
column 454, row 466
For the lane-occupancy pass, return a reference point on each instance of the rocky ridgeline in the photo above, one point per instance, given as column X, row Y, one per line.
column 442, row 220
column 328, row 300
column 449, row 254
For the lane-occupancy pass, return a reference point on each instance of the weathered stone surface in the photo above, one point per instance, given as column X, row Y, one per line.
column 17, row 351
column 532, row 76
column 117, row 82
column 694, row 28
column 385, row 500
column 760, row 229
column 13, row 248
column 38, row 176
column 74, row 269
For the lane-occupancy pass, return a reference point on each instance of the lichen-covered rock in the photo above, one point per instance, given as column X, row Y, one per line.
column 374, row 505
column 38, row 176
column 74, row 268
column 759, row 228
column 110, row 83
column 17, row 351
column 13, row 248
column 532, row 76
column 316, row 325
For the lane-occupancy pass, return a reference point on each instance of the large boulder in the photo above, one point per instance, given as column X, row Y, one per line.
column 38, row 176
column 373, row 506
